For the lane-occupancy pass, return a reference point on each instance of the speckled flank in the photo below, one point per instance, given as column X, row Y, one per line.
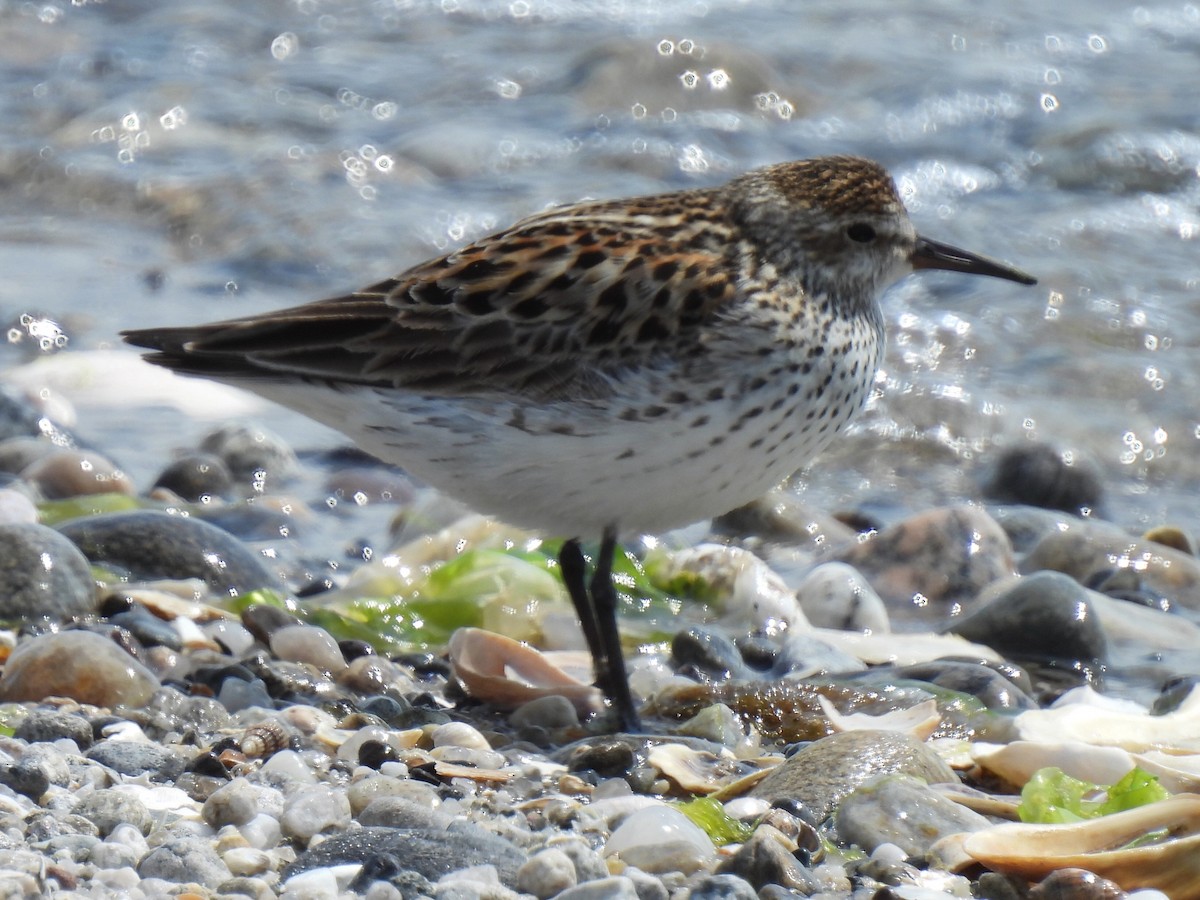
column 650, row 361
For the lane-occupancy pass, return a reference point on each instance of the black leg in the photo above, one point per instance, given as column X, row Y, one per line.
column 597, row 611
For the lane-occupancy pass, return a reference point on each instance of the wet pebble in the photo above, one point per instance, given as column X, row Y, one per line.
column 1039, row 475
column 135, row 758
column 769, row 858
column 835, row 595
column 183, row 860
column 1087, row 548
column 722, row 887
column 1045, row 616
column 196, row 477
column 51, row 725
column 659, row 838
column 71, row 473
column 546, row 874
column 16, row 508
column 251, row 452
column 108, row 809
column 927, row 566
column 430, row 853
column 78, row 664
column 150, row 544
column 904, row 811
column 239, row 801
column 44, row 575
column 312, row 810
column 306, row 644
column 819, row 776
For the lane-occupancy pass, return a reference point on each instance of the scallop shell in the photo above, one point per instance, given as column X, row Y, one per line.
column 507, row 673
column 1172, row 865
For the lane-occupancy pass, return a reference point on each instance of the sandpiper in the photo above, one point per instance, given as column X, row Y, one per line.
column 641, row 363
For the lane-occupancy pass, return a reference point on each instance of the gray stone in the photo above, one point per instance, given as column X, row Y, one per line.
column 900, row 810
column 150, row 544
column 615, row 887
column 137, row 758
column 1046, row 616
column 764, row 860
column 49, row 725
column 107, row 809
column 820, row 775
column 431, row 853
column 185, row 860
column 546, row 874
column 44, row 575
column 722, row 887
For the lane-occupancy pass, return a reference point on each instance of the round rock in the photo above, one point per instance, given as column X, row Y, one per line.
column 151, row 544
column 819, row 776
column 1045, row 617
column 82, row 665
column 44, row 575
column 900, row 810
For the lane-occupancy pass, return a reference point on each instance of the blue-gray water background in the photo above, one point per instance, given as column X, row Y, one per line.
column 179, row 162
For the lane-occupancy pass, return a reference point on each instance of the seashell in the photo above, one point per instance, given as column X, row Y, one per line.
column 474, row 773
column 696, row 771
column 1076, row 884
column 265, row 739
column 1083, row 715
column 1171, row 865
column 904, row 649
column 507, row 673
column 1016, row 762
column 920, row 721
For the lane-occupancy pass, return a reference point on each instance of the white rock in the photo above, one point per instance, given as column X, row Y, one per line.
column 661, row 839
column 546, row 874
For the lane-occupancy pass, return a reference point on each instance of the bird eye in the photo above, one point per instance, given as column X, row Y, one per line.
column 861, row 232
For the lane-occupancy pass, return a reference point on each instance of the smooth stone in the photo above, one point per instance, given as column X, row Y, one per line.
column 710, row 652
column 239, row 801
column 722, row 887
column 108, row 809
column 1086, row 549
column 819, row 776
column 73, row 473
column 48, row 725
column 589, row 864
column 430, row 853
column 249, row 450
column 835, row 595
column 614, row 887
column 546, row 874
column 22, row 777
column 151, row 544
column 196, row 477
column 990, row 687
column 1036, row 474
column 552, row 713
column 459, row 734
column 765, row 859
column 1027, row 525
column 661, row 839
column 782, row 518
column 900, row 810
column 16, row 508
column 400, row 811
column 19, row 452
column 931, row 565
column 135, row 758
column 44, row 575
column 1044, row 617
column 308, row 644
column 312, row 810
column 82, row 665
column 185, row 860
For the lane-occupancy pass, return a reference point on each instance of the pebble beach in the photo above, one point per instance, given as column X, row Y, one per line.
column 953, row 657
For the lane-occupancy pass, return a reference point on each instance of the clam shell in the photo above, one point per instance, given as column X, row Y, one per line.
column 1171, row 865
column 507, row 673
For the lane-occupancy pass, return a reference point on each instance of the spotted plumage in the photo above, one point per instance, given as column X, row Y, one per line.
column 647, row 362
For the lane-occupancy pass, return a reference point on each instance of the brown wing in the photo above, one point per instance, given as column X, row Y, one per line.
column 546, row 308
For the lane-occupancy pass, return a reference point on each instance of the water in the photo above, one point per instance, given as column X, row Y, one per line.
column 170, row 163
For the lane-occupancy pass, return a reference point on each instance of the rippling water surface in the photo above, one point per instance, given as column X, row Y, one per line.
column 170, row 163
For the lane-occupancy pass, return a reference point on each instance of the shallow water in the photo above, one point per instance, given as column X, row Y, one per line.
column 177, row 163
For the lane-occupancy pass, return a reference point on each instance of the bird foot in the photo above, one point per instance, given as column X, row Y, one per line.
column 595, row 603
